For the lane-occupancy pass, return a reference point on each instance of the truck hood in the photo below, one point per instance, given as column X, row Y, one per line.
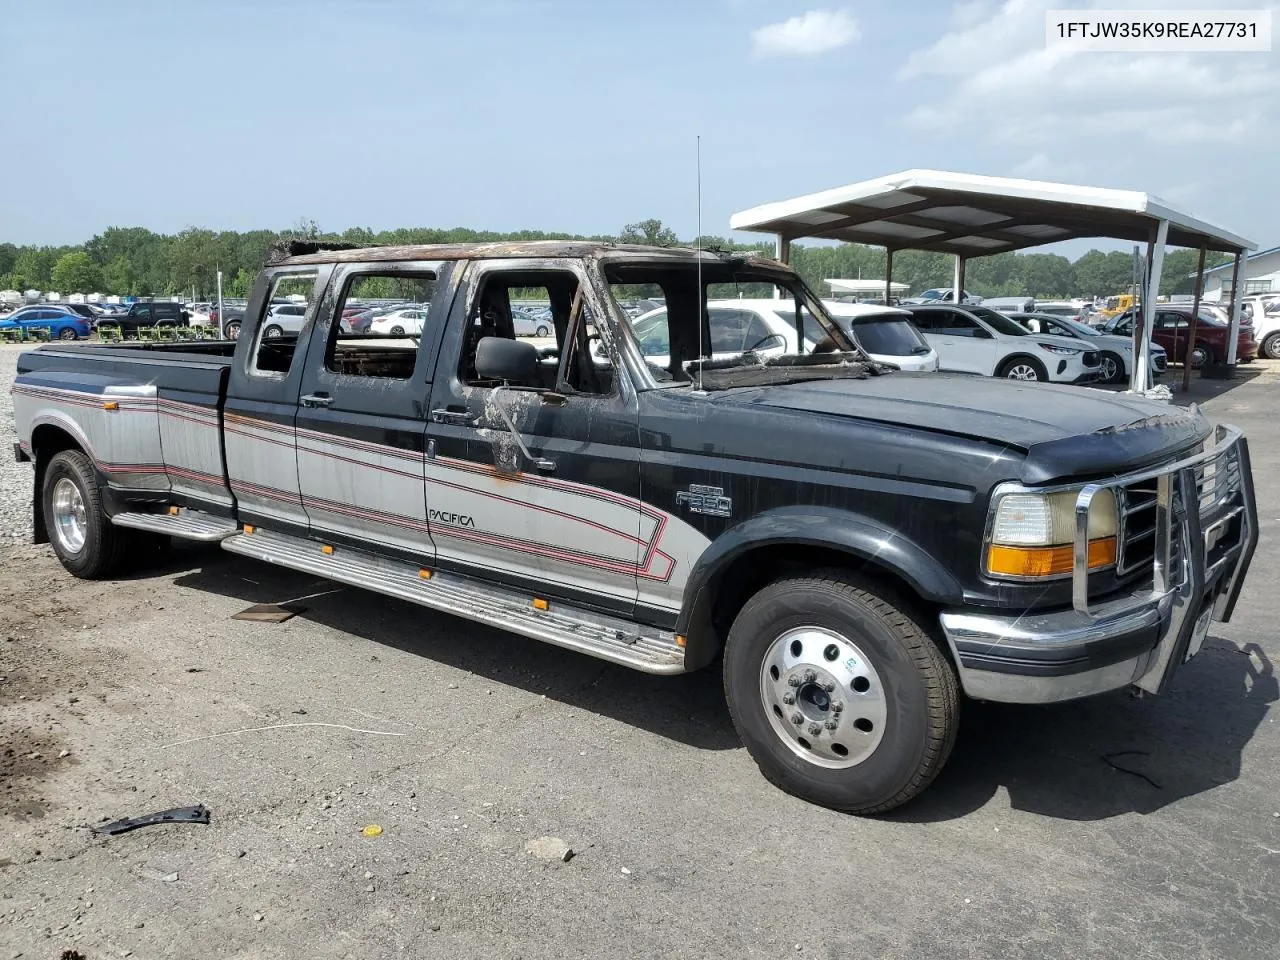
column 1064, row 431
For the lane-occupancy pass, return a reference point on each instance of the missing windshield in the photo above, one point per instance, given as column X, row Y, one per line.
column 741, row 317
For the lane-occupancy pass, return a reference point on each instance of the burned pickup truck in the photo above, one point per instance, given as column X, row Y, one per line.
column 854, row 545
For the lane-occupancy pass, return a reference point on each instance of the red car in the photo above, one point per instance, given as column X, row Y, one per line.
column 1173, row 328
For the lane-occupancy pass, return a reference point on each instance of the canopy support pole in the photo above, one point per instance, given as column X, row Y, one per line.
column 1237, row 306
column 888, row 275
column 782, row 247
column 1195, row 316
column 956, row 287
column 1140, row 378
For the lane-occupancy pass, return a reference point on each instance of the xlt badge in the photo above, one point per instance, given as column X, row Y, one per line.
column 706, row 500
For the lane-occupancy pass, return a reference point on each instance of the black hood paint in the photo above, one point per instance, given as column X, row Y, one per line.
column 1064, row 431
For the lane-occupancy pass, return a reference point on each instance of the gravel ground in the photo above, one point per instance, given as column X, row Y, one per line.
column 1112, row 827
column 15, row 478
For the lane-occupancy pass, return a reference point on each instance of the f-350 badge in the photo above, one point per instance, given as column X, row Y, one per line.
column 706, row 500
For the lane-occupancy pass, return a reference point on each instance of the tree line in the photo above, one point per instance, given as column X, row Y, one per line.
column 137, row 261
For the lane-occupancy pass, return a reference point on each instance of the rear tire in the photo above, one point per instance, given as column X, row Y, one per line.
column 68, row 333
column 847, row 652
column 272, row 332
column 397, row 331
column 1201, row 355
column 542, row 331
column 85, row 540
column 1271, row 346
column 232, row 330
column 1027, row 369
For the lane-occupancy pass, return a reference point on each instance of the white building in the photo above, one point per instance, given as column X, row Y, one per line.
column 1260, row 273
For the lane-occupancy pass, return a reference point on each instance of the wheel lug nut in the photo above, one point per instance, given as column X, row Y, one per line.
column 788, row 698
column 828, row 686
column 794, row 681
column 810, row 676
column 797, row 719
column 815, row 728
column 832, row 724
column 837, row 706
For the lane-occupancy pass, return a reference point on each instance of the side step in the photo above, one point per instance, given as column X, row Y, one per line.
column 188, row 524
column 600, row 635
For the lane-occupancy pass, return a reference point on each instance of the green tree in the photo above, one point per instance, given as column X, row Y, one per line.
column 76, row 273
column 36, row 265
column 649, row 232
column 1046, row 275
column 239, row 285
column 119, row 277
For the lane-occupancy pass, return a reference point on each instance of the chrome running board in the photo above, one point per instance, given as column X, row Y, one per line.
column 599, row 635
column 188, row 524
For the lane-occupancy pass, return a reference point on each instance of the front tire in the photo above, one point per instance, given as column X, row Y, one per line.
column 877, row 701
column 68, row 333
column 542, row 331
column 1111, row 367
column 273, row 332
column 1023, row 368
column 232, row 330
column 397, row 331
column 83, row 536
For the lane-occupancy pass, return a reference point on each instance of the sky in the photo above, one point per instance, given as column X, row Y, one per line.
column 582, row 115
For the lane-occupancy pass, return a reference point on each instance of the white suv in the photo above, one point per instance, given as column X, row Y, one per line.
column 975, row 339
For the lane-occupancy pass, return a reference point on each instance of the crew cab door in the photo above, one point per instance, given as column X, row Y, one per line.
column 362, row 415
column 553, row 505
column 259, row 432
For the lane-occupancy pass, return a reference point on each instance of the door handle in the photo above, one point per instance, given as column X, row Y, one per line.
column 316, row 400
column 460, row 418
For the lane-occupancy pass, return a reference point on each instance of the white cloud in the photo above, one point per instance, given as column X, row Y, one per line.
column 811, row 33
column 1001, row 83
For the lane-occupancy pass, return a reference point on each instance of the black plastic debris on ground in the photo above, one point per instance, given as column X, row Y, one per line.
column 268, row 613
column 197, row 814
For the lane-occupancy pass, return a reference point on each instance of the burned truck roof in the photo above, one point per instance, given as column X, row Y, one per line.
column 318, row 252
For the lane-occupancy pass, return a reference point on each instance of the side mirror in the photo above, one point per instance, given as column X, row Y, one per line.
column 511, row 361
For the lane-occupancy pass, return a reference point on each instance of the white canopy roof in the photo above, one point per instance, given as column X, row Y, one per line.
column 973, row 215
column 865, row 286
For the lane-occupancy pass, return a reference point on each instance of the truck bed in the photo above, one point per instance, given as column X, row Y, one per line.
column 148, row 414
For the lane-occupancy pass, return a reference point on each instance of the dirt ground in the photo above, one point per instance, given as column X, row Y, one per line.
column 1113, row 827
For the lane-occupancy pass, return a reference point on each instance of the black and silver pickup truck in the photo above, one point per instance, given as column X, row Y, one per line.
column 855, row 545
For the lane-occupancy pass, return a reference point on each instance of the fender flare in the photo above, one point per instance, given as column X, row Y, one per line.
column 825, row 527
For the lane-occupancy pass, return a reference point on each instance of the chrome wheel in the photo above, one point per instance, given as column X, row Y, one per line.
column 1200, row 356
column 1109, row 369
column 70, row 523
column 1271, row 347
column 1022, row 371
column 823, row 697
column 232, row 331
column 542, row 332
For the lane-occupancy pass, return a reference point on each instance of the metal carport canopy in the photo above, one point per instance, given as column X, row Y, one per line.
column 972, row 216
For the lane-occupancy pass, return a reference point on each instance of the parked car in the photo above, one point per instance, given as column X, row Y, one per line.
column 852, row 552
column 284, row 318
column 1265, row 318
column 1115, row 352
column 886, row 333
column 85, row 310
column 939, row 294
column 1172, row 327
column 202, row 314
column 406, row 321
column 229, row 324
column 1059, row 308
column 1010, row 304
column 157, row 313
column 63, row 324
column 975, row 339
column 528, row 324
column 356, row 321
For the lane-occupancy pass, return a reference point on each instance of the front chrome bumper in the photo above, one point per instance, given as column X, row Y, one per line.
column 1206, row 529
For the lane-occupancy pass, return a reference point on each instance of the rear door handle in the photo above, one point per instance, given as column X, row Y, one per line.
column 316, row 400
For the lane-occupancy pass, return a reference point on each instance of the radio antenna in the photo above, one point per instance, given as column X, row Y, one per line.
column 697, row 246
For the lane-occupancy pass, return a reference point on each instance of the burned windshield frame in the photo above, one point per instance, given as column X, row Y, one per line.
column 657, row 273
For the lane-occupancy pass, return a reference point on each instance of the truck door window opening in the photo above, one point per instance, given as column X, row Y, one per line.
column 576, row 364
column 274, row 356
column 380, row 340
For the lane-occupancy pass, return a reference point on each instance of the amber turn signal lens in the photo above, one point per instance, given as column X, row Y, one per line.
column 1047, row 561
column 540, row 604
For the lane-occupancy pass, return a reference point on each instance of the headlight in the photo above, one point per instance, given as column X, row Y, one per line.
column 1033, row 534
column 1054, row 348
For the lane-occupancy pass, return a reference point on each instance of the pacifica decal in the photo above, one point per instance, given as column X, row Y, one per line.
column 455, row 519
